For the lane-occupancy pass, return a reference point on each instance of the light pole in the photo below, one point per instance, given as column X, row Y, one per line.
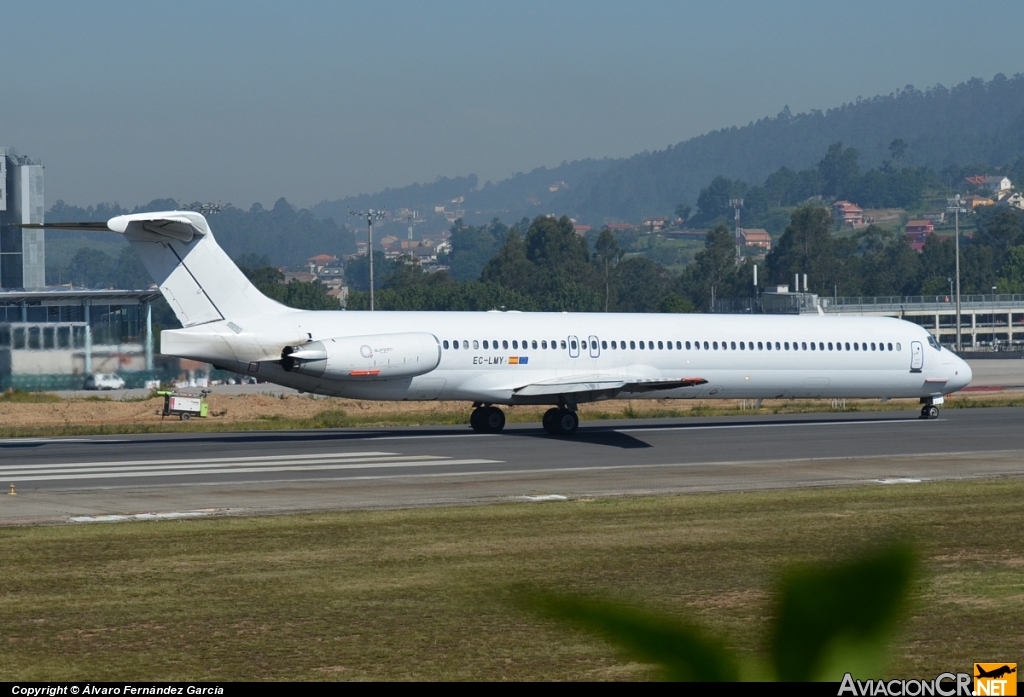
column 371, row 215
column 956, row 207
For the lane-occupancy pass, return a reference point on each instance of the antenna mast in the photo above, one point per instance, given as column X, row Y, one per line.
column 371, row 215
column 737, row 204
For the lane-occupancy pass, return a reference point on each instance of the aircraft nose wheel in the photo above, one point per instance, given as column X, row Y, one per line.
column 487, row 420
column 929, row 412
column 560, row 422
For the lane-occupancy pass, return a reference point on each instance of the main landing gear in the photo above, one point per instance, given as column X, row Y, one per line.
column 560, row 421
column 487, row 419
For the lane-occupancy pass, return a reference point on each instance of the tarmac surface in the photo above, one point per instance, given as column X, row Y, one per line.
column 185, row 475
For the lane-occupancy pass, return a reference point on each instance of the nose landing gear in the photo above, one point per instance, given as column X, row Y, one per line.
column 929, row 411
column 487, row 419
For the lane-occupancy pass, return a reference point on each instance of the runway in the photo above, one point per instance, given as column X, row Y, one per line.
column 59, row 479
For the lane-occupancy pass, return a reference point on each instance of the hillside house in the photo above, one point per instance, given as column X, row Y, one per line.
column 918, row 230
column 991, row 183
column 973, row 201
column 847, row 214
column 756, row 238
column 1013, row 200
column 581, row 230
column 655, row 224
column 320, row 261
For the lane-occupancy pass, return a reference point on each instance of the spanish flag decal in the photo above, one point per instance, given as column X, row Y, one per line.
column 513, row 360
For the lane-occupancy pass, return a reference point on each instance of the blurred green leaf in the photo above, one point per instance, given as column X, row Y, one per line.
column 683, row 652
column 835, row 619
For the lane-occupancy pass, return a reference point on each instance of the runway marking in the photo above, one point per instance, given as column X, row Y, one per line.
column 219, row 466
column 212, row 460
column 665, row 465
column 806, row 423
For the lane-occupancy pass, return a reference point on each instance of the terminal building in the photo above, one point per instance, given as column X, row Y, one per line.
column 53, row 338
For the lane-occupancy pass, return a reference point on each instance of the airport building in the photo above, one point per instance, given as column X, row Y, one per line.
column 22, row 252
column 54, row 339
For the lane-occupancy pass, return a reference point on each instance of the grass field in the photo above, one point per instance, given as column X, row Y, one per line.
column 427, row 593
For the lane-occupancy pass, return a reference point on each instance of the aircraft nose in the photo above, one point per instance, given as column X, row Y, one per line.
column 964, row 374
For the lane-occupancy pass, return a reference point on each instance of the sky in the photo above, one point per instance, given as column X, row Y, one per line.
column 244, row 102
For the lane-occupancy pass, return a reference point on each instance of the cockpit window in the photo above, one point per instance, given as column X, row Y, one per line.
column 934, row 343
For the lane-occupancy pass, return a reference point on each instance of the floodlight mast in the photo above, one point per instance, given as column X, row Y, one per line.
column 955, row 206
column 371, row 215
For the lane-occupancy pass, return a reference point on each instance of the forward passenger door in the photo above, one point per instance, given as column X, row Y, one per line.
column 916, row 357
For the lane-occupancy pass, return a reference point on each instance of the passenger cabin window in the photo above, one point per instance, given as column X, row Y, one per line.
column 504, row 343
column 632, row 344
column 445, row 343
column 687, row 345
column 563, row 343
column 476, row 344
column 604, row 344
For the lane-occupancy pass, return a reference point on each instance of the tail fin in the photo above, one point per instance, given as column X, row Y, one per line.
column 196, row 276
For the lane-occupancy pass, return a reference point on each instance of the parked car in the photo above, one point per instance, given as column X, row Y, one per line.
column 104, row 381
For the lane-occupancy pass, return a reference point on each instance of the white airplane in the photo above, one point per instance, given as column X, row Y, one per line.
column 508, row 358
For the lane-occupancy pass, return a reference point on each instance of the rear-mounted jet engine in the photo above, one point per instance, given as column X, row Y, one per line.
column 372, row 357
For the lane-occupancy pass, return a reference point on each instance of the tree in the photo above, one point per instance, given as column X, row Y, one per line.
column 1011, row 279
column 473, row 247
column 897, row 148
column 639, row 285
column 806, row 246
column 713, row 201
column 608, row 255
column 1001, row 229
column 90, row 268
column 357, row 271
column 683, row 213
column 838, row 169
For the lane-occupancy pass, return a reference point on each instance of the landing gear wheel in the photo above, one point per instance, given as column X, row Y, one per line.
column 929, row 411
column 493, row 420
column 568, row 422
column 549, row 421
column 476, row 419
column 561, row 422
column 487, row 420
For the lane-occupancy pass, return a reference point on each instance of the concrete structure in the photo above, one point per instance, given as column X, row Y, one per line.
column 53, row 339
column 987, row 321
column 22, row 252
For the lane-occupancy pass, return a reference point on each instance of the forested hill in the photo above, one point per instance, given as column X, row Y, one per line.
column 519, row 195
column 976, row 122
column 286, row 235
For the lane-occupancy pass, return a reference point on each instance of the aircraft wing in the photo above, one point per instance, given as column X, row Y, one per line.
column 603, row 383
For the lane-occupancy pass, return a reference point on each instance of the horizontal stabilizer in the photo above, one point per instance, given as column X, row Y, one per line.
column 142, row 226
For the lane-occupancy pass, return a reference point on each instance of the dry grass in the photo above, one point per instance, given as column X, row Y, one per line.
column 41, row 414
column 425, row 594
